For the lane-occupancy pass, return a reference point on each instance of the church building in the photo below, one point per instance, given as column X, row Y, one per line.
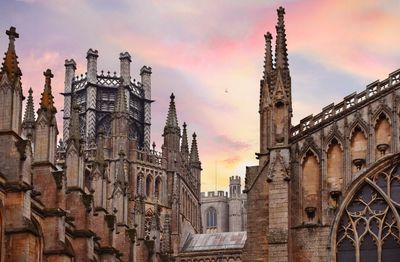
column 327, row 189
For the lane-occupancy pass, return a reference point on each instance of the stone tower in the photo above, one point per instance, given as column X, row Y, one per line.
column 96, row 94
column 235, row 205
column 325, row 189
column 275, row 110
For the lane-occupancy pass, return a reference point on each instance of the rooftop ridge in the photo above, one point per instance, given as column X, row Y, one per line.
column 348, row 103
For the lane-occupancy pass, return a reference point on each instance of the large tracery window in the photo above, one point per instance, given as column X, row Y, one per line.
column 211, row 218
column 369, row 226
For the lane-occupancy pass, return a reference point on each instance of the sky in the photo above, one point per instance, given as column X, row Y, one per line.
column 210, row 53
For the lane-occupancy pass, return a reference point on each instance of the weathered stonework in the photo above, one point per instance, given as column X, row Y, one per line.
column 320, row 184
column 102, row 194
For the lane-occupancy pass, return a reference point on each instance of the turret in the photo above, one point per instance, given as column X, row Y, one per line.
column 145, row 74
column 10, row 87
column 91, row 95
column 28, row 124
column 234, row 186
column 91, row 57
column 125, row 67
column 70, row 67
column 46, row 124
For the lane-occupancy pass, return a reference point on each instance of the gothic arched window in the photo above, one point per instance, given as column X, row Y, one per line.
column 368, row 229
column 149, row 186
column 211, row 218
column 157, row 187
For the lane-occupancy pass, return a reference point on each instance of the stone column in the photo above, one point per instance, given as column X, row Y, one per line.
column 70, row 67
column 145, row 73
column 91, row 92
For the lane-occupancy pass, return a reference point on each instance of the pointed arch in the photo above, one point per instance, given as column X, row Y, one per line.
column 311, row 184
column 367, row 223
column 335, row 165
column 37, row 255
column 360, row 122
column 358, row 148
column 382, row 109
column 334, row 133
column 149, row 186
column 309, row 145
column 382, row 135
column 158, row 187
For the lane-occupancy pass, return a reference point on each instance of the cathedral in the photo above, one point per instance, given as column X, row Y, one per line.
column 327, row 189
column 103, row 192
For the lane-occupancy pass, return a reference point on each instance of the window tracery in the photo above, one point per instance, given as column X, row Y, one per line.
column 368, row 229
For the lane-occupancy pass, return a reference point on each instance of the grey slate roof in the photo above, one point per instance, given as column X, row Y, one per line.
column 216, row 241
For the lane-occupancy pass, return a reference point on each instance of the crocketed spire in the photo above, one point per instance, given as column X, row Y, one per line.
column 184, row 143
column 120, row 104
column 10, row 64
column 194, row 152
column 172, row 119
column 268, row 63
column 47, row 99
column 29, row 116
column 281, row 56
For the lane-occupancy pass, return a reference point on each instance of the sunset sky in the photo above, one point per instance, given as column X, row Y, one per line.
column 210, row 54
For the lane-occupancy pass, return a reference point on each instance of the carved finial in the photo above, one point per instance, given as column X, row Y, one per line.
column 194, row 152
column 10, row 63
column 184, row 143
column 268, row 63
column 29, row 116
column 47, row 99
column 172, row 119
column 281, row 57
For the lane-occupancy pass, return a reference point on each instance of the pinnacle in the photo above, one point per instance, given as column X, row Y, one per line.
column 172, row 119
column 29, row 116
column 10, row 64
column 268, row 63
column 194, row 152
column 184, row 144
column 47, row 99
column 281, row 57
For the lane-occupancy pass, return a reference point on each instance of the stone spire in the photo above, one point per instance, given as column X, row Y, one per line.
column 172, row 120
column 194, row 152
column 29, row 116
column 172, row 132
column 281, row 56
column 10, row 64
column 28, row 125
column 184, row 143
column 120, row 104
column 268, row 62
column 47, row 99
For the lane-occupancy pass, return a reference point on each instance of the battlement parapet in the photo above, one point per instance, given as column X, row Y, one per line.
column 213, row 194
column 349, row 103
